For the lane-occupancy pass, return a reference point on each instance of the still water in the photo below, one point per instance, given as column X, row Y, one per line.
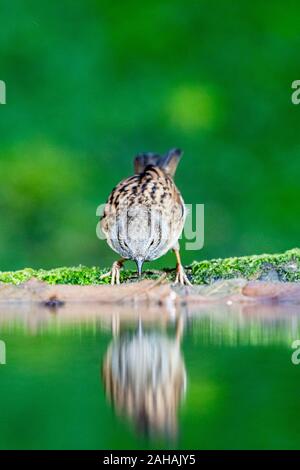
column 89, row 378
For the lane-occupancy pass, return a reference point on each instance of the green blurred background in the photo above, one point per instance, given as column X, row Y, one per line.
column 91, row 83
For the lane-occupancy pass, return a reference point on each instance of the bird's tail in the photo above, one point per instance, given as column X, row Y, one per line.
column 167, row 162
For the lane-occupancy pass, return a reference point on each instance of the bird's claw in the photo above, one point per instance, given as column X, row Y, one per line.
column 114, row 273
column 181, row 277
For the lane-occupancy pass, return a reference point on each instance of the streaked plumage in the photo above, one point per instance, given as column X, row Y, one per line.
column 145, row 213
column 145, row 379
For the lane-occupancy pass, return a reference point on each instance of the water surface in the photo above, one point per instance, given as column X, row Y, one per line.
column 88, row 378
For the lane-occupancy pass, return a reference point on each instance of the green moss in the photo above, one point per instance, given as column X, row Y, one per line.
column 286, row 266
column 80, row 275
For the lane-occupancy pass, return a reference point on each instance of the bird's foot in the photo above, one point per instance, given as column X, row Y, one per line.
column 181, row 277
column 114, row 273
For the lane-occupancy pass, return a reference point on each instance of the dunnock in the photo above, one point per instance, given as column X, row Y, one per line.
column 145, row 214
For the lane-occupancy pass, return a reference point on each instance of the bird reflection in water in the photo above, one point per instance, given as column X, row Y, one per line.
column 145, row 379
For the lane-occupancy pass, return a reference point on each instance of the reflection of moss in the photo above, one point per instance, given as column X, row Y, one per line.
column 232, row 330
column 286, row 266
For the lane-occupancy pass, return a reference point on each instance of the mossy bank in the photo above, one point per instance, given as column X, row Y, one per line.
column 277, row 267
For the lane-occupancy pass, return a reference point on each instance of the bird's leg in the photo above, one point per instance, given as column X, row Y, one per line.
column 181, row 277
column 114, row 272
column 179, row 329
column 115, row 325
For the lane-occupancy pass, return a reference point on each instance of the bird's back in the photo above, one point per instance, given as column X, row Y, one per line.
column 145, row 213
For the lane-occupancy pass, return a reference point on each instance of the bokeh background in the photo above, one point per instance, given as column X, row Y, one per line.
column 90, row 83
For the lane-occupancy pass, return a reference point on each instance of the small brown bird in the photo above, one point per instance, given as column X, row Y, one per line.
column 145, row 380
column 145, row 214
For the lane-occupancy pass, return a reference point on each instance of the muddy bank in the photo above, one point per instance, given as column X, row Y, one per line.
column 229, row 307
column 157, row 292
